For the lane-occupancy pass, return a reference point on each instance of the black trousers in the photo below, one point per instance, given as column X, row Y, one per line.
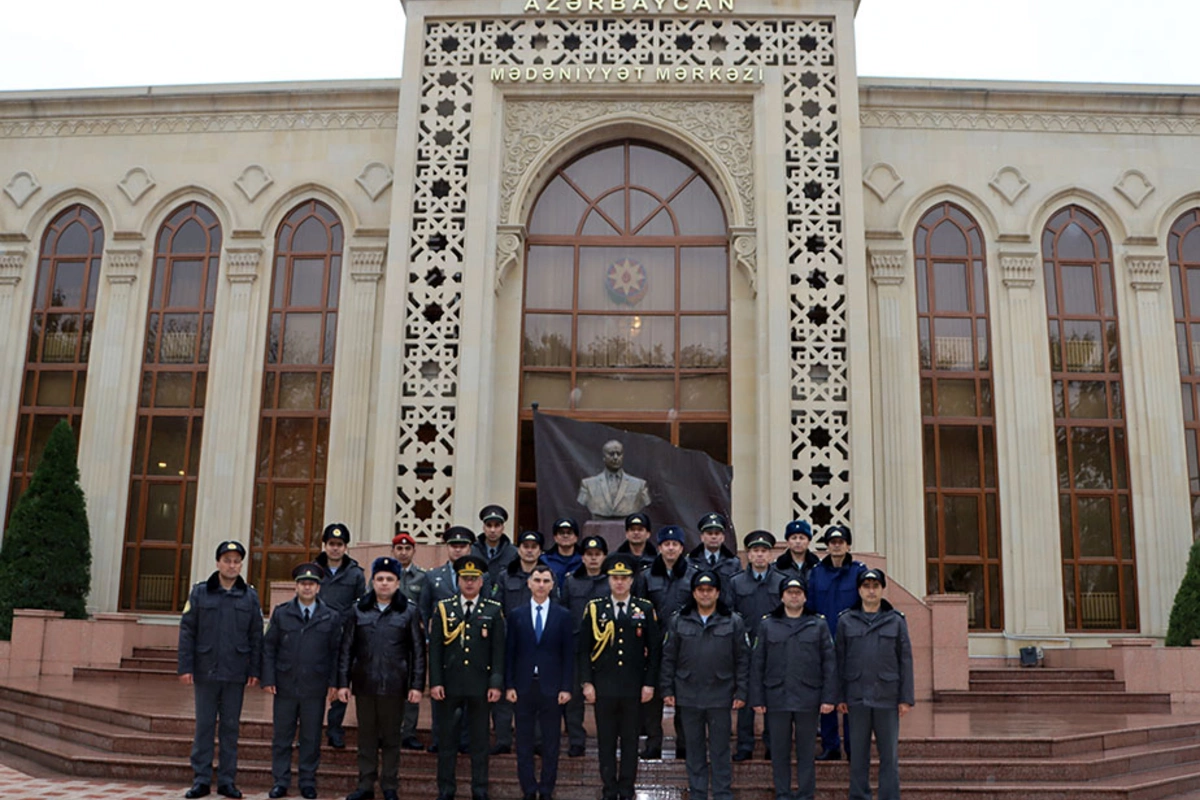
column 782, row 724
column 708, row 732
column 286, row 713
column 379, row 719
column 217, row 699
column 475, row 719
column 535, row 707
column 885, row 724
column 617, row 721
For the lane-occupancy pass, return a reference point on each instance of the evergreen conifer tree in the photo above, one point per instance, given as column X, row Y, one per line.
column 46, row 558
column 1184, row 625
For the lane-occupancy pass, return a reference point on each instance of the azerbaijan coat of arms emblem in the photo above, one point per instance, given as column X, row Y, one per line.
column 626, row 282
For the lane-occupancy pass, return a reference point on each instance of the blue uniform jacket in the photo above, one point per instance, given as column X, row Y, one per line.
column 831, row 590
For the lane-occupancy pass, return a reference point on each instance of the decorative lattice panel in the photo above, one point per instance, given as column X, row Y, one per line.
column 804, row 52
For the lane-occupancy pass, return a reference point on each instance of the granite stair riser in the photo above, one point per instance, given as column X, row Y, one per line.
column 1040, row 674
column 168, row 664
column 1083, row 687
column 1060, row 700
column 120, row 673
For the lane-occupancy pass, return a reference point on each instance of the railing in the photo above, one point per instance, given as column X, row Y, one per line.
column 154, row 592
column 1101, row 610
column 177, row 347
column 59, row 346
column 954, row 352
column 1084, row 356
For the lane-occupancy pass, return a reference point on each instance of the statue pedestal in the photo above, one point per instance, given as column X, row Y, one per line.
column 610, row 530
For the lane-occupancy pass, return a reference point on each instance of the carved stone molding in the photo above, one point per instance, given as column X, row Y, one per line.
column 374, row 179
column 12, row 264
column 123, row 265
column 1145, row 272
column 888, row 267
column 744, row 243
column 1018, row 269
column 941, row 119
column 725, row 126
column 1009, row 183
column 135, row 184
column 241, row 265
column 151, row 124
column 510, row 251
column 1134, row 186
column 882, row 179
column 253, row 181
column 22, row 186
column 366, row 262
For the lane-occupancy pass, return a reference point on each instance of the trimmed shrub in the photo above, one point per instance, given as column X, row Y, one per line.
column 1184, row 625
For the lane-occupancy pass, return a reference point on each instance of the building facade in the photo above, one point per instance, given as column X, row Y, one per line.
column 959, row 317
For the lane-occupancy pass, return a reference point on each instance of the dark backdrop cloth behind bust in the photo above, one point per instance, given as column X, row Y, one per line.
column 684, row 484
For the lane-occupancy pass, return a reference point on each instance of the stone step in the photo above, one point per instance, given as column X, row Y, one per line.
column 1066, row 701
column 148, row 662
column 1016, row 686
column 163, row 651
column 1040, row 673
column 124, row 673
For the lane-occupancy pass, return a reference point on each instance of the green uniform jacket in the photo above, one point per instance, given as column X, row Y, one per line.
column 619, row 657
column 466, row 655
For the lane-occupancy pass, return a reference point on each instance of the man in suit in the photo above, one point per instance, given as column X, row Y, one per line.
column 220, row 654
column 412, row 584
column 539, row 675
column 613, row 494
column 619, row 651
column 466, row 672
column 300, row 659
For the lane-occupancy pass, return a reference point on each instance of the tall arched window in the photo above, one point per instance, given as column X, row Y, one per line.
column 166, row 449
column 1183, row 250
column 626, row 313
column 293, row 439
column 962, row 517
column 60, row 337
column 1095, row 517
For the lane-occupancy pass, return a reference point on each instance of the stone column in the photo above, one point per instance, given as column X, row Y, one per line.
column 1162, row 523
column 354, row 361
column 109, row 415
column 1031, row 560
column 14, row 322
column 226, row 480
column 900, row 531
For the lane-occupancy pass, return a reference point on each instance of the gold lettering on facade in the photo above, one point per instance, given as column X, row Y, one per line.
column 624, row 6
column 625, row 74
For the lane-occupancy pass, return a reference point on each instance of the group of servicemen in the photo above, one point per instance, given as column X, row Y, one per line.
column 527, row 634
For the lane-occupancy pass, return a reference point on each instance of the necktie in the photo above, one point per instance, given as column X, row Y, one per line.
column 537, row 624
column 758, row 577
column 621, row 610
column 492, row 555
column 712, row 559
column 307, row 614
column 468, row 608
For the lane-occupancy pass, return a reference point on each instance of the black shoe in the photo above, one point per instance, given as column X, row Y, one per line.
column 464, row 748
column 742, row 755
column 499, row 750
column 680, row 753
column 767, row 754
column 544, row 796
column 433, row 748
column 832, row 754
column 650, row 755
column 308, row 792
column 390, row 794
column 575, row 751
column 412, row 743
column 278, row 790
column 361, row 794
column 337, row 742
column 229, row 790
column 537, row 750
column 197, row 790
column 531, row 796
column 480, row 796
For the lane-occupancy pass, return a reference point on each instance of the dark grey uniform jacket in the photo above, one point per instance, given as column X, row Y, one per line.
column 874, row 656
column 668, row 589
column 301, row 660
column 383, row 652
column 579, row 590
column 506, row 553
column 440, row 583
column 341, row 591
column 706, row 666
column 221, row 633
column 754, row 599
column 793, row 667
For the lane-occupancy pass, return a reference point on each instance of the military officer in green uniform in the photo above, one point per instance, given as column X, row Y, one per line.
column 620, row 647
column 466, row 671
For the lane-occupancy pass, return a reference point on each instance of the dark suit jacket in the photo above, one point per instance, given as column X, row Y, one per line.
column 554, row 656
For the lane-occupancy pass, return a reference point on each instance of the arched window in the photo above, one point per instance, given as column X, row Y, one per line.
column 60, row 337
column 962, row 517
column 626, row 312
column 1183, row 250
column 166, row 449
column 1095, row 517
column 293, row 439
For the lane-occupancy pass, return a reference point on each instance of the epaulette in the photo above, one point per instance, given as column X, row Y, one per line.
column 843, row 611
column 490, row 600
column 898, row 611
column 820, row 615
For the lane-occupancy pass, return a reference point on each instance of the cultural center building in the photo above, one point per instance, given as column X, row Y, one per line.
column 961, row 317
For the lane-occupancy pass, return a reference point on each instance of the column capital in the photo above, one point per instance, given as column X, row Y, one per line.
column 510, row 252
column 12, row 264
column 241, row 264
column 366, row 262
column 1145, row 271
column 123, row 265
column 744, row 244
column 1018, row 269
column 887, row 266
